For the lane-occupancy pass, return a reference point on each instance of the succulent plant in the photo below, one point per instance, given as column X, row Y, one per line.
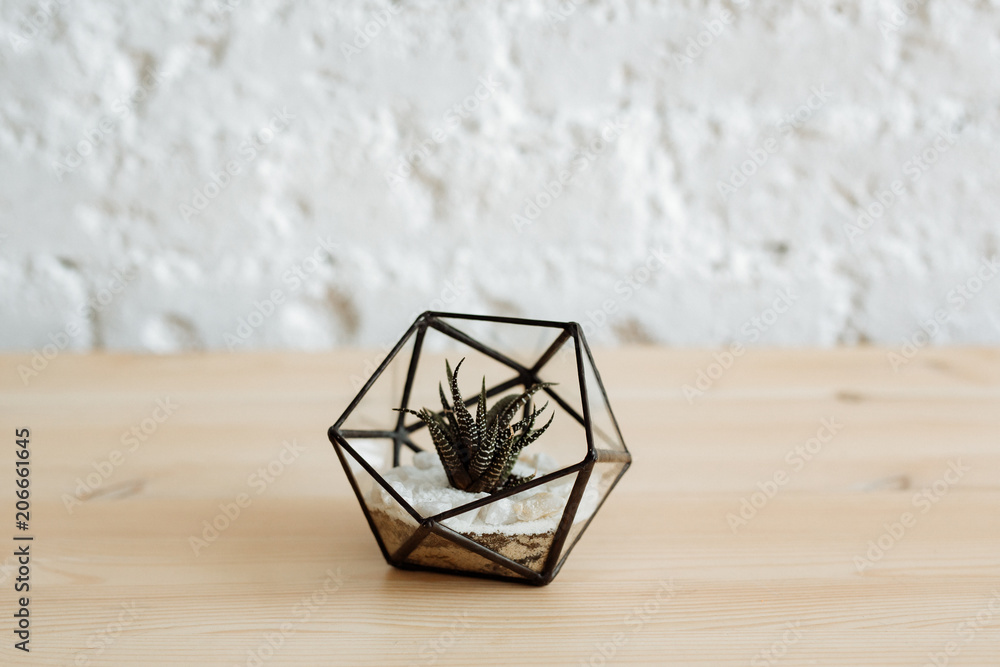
column 479, row 454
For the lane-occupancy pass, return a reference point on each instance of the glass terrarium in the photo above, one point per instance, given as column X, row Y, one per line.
column 524, row 531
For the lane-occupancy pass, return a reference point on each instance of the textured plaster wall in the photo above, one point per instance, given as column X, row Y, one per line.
column 296, row 174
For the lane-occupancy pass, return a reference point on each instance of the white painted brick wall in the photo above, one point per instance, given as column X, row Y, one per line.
column 113, row 115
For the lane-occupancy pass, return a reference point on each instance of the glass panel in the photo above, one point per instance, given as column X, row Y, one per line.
column 520, row 527
column 602, row 478
column 561, row 369
column 606, row 434
column 375, row 411
column 438, row 347
column 522, row 343
column 431, row 372
column 563, row 444
column 377, row 452
column 566, row 439
column 435, row 551
column 393, row 524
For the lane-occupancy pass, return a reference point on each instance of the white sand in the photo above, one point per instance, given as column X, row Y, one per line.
column 424, row 485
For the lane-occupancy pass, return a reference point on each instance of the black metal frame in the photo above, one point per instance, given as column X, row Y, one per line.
column 524, row 376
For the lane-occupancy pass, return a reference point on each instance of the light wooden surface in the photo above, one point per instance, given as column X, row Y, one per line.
column 659, row 578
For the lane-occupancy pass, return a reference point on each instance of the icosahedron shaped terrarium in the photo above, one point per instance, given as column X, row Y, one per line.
column 482, row 446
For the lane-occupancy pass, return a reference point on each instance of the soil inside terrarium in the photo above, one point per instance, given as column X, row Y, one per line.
column 520, row 527
column 434, row 551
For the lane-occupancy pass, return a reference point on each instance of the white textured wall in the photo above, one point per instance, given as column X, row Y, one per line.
column 387, row 198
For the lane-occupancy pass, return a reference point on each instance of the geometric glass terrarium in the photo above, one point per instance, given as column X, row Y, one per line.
column 523, row 533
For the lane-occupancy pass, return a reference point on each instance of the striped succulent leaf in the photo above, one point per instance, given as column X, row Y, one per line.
column 481, row 413
column 468, row 432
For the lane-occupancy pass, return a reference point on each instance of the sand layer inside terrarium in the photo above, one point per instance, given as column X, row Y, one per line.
column 520, row 527
column 434, row 551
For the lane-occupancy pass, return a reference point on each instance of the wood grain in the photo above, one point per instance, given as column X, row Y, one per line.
column 661, row 577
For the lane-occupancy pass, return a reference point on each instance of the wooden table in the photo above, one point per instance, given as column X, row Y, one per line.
column 840, row 556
